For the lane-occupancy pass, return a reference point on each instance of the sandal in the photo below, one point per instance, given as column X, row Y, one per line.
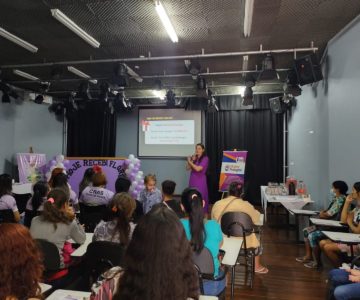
column 262, row 270
column 303, row 259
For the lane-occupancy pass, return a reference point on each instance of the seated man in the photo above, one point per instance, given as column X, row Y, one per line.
column 168, row 189
column 234, row 203
column 334, row 250
column 312, row 237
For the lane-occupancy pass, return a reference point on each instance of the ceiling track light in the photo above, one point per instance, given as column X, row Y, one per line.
column 25, row 75
column 249, row 12
column 81, row 74
column 65, row 20
column 166, row 22
column 20, row 42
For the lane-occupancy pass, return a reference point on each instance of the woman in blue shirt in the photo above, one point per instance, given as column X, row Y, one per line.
column 202, row 233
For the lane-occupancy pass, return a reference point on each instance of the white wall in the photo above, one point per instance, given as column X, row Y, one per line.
column 25, row 124
column 332, row 112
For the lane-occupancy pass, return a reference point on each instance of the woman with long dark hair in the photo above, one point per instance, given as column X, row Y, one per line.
column 7, row 201
column 86, row 180
column 198, row 165
column 57, row 224
column 117, row 226
column 60, row 181
column 21, row 268
column 34, row 206
column 158, row 263
column 202, row 233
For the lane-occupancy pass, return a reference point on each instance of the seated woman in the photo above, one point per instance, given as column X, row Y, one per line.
column 117, row 226
column 34, row 206
column 344, row 284
column 312, row 237
column 202, row 233
column 86, row 180
column 21, row 268
column 61, row 181
column 334, row 250
column 235, row 203
column 57, row 224
column 168, row 189
column 158, row 263
column 7, row 201
column 97, row 194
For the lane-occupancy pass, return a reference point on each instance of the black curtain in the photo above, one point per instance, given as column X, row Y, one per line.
column 91, row 131
column 259, row 131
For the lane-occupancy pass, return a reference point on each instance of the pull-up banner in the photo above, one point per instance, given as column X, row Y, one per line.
column 29, row 165
column 232, row 168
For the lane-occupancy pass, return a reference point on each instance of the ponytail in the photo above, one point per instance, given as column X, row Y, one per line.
column 120, row 209
column 192, row 201
column 54, row 208
column 40, row 189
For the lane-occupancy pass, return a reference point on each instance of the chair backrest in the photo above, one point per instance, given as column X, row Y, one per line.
column 99, row 257
column 29, row 215
column 204, row 262
column 7, row 216
column 50, row 254
column 237, row 224
column 21, row 201
column 90, row 216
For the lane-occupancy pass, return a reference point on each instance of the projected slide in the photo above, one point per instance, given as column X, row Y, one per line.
column 168, row 132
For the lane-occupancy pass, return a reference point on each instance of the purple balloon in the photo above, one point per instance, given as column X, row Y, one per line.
column 53, row 163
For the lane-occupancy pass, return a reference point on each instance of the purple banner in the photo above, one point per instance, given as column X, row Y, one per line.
column 29, row 165
column 232, row 168
column 112, row 167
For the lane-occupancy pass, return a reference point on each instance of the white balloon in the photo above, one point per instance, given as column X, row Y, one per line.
column 59, row 158
column 134, row 184
column 127, row 171
column 137, row 160
column 131, row 156
column 131, row 166
column 141, row 173
column 138, row 177
column 52, row 168
column 60, row 165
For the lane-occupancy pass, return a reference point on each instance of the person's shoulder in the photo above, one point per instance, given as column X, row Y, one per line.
column 8, row 198
column 212, row 223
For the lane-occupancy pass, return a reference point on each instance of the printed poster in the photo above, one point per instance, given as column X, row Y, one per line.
column 232, row 168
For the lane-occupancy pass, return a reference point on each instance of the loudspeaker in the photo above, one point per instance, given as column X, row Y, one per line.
column 277, row 105
column 308, row 69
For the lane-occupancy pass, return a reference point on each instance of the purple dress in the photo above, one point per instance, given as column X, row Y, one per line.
column 198, row 180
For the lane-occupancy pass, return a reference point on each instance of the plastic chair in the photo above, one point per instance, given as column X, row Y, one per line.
column 90, row 216
column 100, row 256
column 239, row 224
column 7, row 216
column 204, row 264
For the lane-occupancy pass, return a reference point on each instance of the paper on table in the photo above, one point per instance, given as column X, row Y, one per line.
column 303, row 212
column 323, row 222
column 69, row 295
column 344, row 237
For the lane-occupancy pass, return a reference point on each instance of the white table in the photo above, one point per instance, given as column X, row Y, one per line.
column 350, row 239
column 22, row 188
column 324, row 222
column 289, row 202
column 69, row 295
column 202, row 297
column 232, row 247
column 44, row 287
column 79, row 252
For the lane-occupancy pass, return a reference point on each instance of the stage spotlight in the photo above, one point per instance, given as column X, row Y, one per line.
column 212, row 105
column 268, row 72
column 44, row 86
column 84, row 91
column 121, row 77
column 104, row 91
column 193, row 67
column 39, row 99
column 170, row 99
column 248, row 97
column 5, row 98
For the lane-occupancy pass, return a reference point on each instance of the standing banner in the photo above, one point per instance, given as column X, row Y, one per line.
column 113, row 167
column 30, row 166
column 232, row 168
